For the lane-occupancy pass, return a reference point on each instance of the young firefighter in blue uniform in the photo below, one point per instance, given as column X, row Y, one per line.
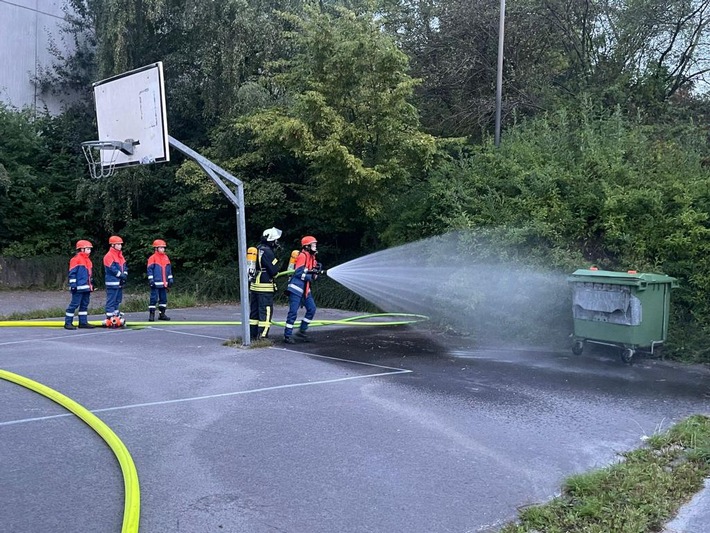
column 299, row 289
column 116, row 273
column 160, row 277
column 263, row 287
column 80, row 285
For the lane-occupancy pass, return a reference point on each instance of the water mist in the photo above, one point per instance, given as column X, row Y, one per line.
column 446, row 279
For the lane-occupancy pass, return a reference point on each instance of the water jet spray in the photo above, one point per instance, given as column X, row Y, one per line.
column 445, row 277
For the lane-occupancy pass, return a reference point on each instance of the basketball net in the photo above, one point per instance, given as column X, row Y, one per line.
column 101, row 157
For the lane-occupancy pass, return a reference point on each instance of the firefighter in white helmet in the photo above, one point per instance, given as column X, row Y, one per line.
column 263, row 286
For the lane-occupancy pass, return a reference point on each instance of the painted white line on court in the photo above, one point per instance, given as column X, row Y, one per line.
column 36, row 419
column 292, row 351
column 43, row 339
column 188, row 334
column 210, row 397
column 343, row 360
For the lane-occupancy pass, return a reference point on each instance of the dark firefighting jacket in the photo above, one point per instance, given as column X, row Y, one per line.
column 266, row 269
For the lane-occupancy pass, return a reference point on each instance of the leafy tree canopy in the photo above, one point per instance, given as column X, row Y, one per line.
column 347, row 118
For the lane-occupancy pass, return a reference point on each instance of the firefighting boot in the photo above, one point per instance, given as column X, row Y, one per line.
column 162, row 315
column 84, row 321
column 68, row 323
column 151, row 315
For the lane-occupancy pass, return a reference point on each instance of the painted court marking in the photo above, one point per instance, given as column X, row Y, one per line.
column 210, row 396
column 392, row 371
column 56, row 338
column 397, row 370
column 152, row 328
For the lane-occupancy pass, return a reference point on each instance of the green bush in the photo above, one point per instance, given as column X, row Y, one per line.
column 569, row 190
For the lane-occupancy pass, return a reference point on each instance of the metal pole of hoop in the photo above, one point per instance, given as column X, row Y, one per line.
column 237, row 200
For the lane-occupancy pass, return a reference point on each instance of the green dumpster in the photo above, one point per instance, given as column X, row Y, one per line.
column 628, row 310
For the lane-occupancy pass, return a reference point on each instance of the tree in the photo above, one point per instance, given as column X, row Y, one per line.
column 37, row 185
column 636, row 53
column 348, row 118
column 651, row 47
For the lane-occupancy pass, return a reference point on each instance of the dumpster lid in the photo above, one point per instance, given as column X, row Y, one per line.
column 638, row 279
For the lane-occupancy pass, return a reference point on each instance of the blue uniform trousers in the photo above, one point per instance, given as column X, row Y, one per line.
column 295, row 302
column 114, row 297
column 79, row 300
column 158, row 295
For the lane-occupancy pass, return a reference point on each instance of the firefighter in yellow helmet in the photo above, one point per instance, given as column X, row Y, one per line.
column 262, row 286
column 299, row 289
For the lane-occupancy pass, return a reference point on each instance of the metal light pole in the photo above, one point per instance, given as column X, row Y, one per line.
column 499, row 81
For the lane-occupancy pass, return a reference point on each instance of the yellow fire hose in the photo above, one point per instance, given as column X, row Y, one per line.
column 360, row 320
column 132, row 506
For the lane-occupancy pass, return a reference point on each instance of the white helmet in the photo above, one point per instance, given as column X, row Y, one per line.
column 272, row 234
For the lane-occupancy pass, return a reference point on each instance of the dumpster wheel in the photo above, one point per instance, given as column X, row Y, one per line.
column 578, row 347
column 627, row 355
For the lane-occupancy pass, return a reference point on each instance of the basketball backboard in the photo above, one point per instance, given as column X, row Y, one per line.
column 130, row 109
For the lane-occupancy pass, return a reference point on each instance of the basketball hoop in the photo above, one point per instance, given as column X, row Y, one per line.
column 101, row 155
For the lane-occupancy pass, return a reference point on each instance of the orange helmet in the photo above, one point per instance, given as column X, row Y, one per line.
column 308, row 240
column 115, row 240
column 159, row 242
column 83, row 244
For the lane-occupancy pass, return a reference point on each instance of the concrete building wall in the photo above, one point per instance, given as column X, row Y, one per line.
column 27, row 28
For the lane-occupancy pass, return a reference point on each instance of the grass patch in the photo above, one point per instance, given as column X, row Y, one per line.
column 39, row 313
column 236, row 342
column 638, row 495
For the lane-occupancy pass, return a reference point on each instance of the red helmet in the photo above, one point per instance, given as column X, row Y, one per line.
column 308, row 240
column 83, row 244
column 115, row 240
column 159, row 242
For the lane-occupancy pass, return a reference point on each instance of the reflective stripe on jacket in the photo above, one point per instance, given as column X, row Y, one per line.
column 115, row 268
column 160, row 272
column 266, row 269
column 80, row 271
column 300, row 282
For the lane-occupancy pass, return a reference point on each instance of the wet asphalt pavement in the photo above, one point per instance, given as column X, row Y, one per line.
column 368, row 429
